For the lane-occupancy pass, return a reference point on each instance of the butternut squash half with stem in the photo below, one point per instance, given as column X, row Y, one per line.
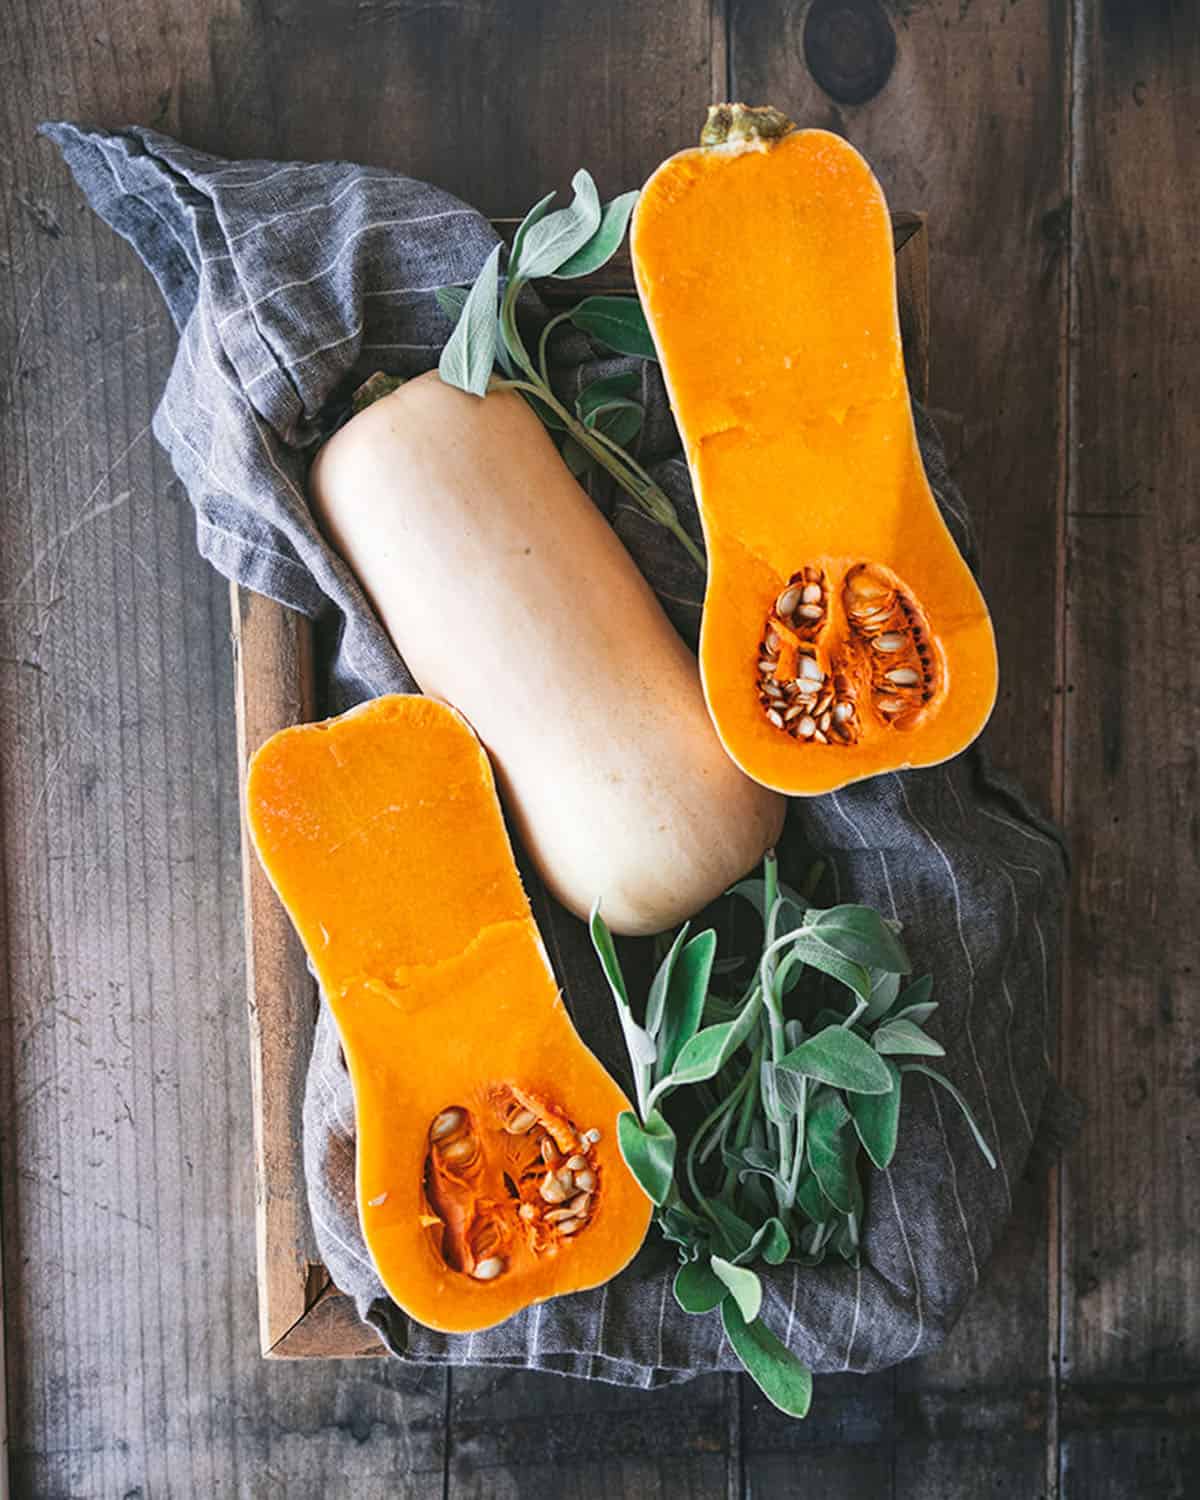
column 843, row 634
column 489, row 1175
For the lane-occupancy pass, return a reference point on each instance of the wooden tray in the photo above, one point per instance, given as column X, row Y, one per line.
column 301, row 1314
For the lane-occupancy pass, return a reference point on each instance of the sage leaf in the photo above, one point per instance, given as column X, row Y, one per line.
column 980, row 1139
column 840, row 1058
column 917, row 1014
column 451, row 300
column 470, row 352
column 789, row 1090
column 606, row 952
column 709, row 1050
column 831, row 1154
column 553, row 238
column 735, row 1231
column 900, row 1035
column 649, row 1152
column 606, row 241
column 686, row 994
column 877, row 1120
column 617, row 322
column 768, row 1087
column 779, row 1375
column 770, row 1241
column 918, row 992
column 576, row 457
column 535, row 214
column 819, row 954
column 861, row 934
column 744, row 1286
column 811, row 1200
column 698, row 1288
column 599, row 392
column 884, row 989
column 657, row 999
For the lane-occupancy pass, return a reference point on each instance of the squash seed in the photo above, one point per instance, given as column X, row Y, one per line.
column 807, row 727
column 488, row 1270
column 592, row 1136
column 810, row 611
column 553, row 1191
column 521, row 1123
column 903, row 676
column 788, row 600
column 569, row 1226
column 812, row 593
column 775, row 718
column 889, row 642
column 448, row 1120
column 585, row 1180
column 576, row 1163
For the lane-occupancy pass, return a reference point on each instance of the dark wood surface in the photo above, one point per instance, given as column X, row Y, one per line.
column 1054, row 147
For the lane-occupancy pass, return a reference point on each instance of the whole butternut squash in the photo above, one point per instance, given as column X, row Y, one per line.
column 509, row 596
column 489, row 1175
column 843, row 635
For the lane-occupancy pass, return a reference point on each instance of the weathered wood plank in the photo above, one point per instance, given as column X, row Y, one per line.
column 970, row 124
column 126, row 1135
column 1131, row 1031
column 523, row 1435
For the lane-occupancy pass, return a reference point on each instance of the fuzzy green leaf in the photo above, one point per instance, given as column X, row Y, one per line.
column 554, row 238
column 575, row 456
column 861, row 934
column 534, row 216
column 783, row 1380
column 470, row 352
column 649, row 1152
column 451, row 300
column 743, row 1284
column 818, row 954
column 840, row 1058
column 709, row 1050
column 599, row 392
column 660, row 985
column 685, row 997
column 698, row 1288
column 884, row 989
column 606, row 241
column 877, row 1120
column 902, row 1036
column 618, row 322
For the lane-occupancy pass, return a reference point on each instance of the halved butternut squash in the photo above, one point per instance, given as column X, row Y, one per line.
column 843, row 634
column 489, row 1175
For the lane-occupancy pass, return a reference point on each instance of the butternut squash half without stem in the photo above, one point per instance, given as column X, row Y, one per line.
column 843, row 634
column 489, row 1175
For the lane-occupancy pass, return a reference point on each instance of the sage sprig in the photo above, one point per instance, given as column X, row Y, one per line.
column 783, row 1086
column 486, row 351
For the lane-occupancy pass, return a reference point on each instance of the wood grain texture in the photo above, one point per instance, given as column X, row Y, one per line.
column 1132, row 1031
column 971, row 125
column 125, row 1121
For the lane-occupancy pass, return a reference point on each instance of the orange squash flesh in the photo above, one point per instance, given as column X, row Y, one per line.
column 766, row 270
column 382, row 834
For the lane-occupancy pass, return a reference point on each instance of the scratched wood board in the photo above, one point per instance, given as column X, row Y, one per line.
column 1052, row 145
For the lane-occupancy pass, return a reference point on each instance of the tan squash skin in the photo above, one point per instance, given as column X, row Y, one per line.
column 381, row 831
column 510, row 597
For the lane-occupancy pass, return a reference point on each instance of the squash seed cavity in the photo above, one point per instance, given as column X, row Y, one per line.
column 511, row 1178
column 841, row 658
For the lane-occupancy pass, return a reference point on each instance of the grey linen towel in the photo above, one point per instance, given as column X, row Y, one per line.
column 290, row 282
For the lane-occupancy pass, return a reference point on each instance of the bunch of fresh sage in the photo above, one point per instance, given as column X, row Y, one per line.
column 789, row 1080
column 486, row 351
